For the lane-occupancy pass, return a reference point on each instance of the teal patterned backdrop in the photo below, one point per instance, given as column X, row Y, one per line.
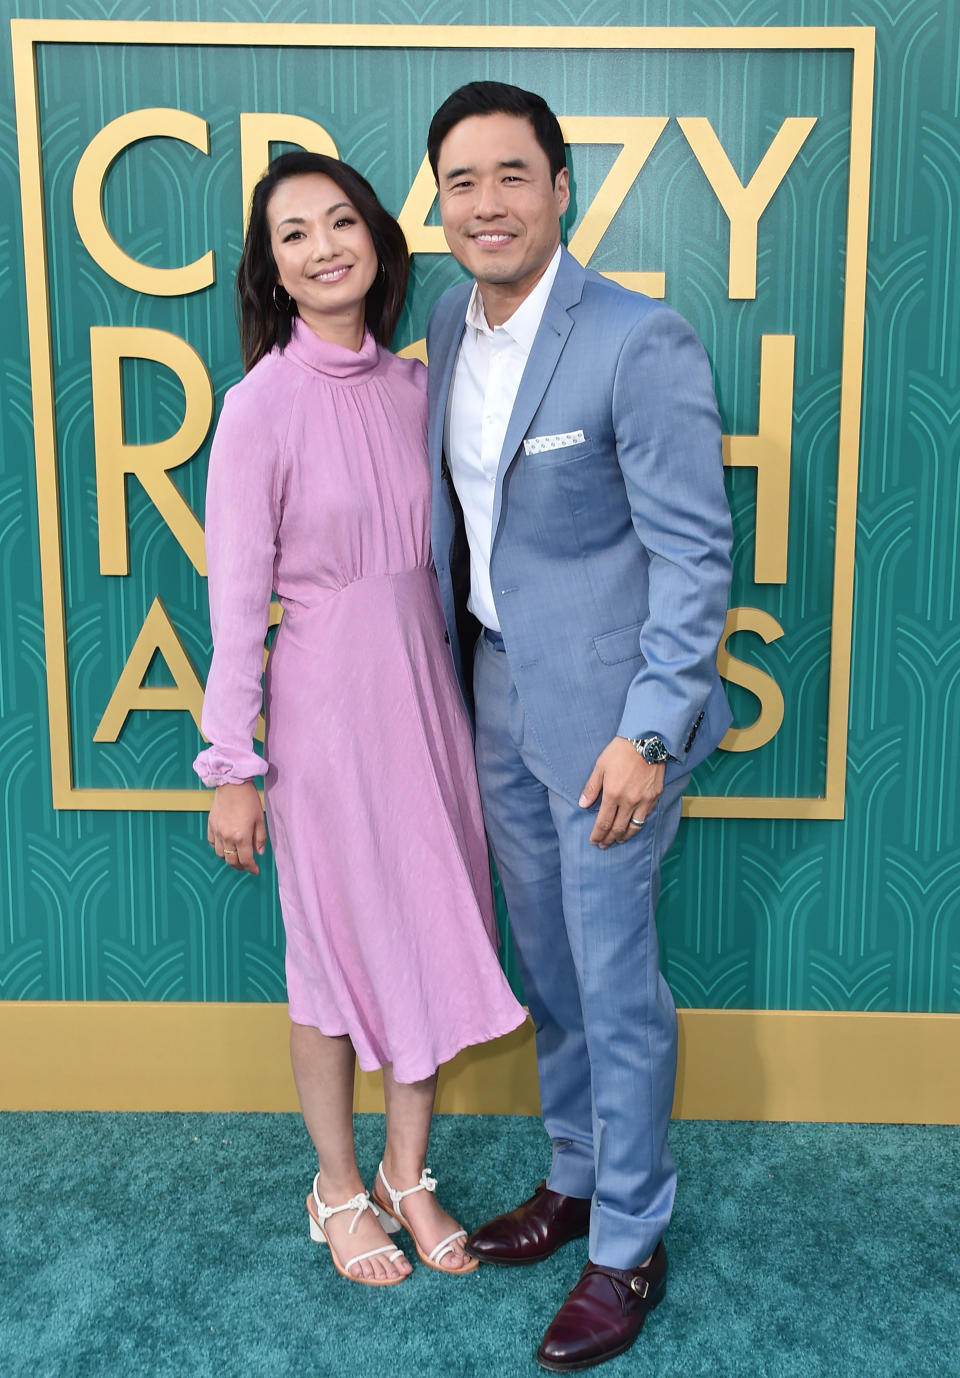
column 859, row 914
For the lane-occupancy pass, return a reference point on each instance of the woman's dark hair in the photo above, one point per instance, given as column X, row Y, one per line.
column 497, row 98
column 262, row 325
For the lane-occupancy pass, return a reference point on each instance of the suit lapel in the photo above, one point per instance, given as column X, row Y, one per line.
column 449, row 333
column 547, row 347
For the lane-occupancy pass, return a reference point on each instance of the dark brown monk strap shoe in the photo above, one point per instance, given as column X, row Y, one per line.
column 603, row 1315
column 533, row 1231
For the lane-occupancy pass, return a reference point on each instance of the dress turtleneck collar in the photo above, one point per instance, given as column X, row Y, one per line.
column 335, row 360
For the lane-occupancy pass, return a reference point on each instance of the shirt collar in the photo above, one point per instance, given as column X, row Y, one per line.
column 523, row 325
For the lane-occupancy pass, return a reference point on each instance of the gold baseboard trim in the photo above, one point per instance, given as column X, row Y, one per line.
column 733, row 1065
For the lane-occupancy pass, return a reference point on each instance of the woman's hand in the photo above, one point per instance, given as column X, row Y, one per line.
column 236, row 827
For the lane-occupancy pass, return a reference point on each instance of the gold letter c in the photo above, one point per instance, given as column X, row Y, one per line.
column 99, row 154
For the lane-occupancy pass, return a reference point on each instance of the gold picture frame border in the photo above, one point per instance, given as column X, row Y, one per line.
column 28, row 34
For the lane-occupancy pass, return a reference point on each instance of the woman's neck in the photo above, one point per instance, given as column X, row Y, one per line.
column 346, row 329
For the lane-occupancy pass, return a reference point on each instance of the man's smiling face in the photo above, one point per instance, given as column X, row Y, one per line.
column 500, row 207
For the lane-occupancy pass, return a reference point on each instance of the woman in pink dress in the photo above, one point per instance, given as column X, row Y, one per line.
column 319, row 491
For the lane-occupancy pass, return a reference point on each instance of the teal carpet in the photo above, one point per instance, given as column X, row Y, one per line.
column 177, row 1245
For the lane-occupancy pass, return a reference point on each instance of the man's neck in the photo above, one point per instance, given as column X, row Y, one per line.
column 501, row 299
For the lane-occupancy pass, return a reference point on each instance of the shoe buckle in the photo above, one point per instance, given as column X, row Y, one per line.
column 640, row 1286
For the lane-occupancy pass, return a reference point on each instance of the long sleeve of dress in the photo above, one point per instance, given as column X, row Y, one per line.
column 243, row 509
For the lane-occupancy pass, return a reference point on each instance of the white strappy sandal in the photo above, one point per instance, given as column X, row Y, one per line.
column 319, row 1213
column 439, row 1251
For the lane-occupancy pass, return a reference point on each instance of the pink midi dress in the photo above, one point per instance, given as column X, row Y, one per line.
column 319, row 490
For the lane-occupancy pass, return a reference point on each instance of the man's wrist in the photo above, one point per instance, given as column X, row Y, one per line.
column 651, row 747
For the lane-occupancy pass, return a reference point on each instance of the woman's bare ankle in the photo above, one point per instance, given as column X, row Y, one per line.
column 334, row 1188
column 402, row 1170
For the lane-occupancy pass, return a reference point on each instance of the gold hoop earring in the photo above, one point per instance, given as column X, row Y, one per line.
column 283, row 307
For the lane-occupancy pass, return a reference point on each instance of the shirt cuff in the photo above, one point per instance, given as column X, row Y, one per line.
column 218, row 767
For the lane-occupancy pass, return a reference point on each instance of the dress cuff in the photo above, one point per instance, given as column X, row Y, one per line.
column 218, row 767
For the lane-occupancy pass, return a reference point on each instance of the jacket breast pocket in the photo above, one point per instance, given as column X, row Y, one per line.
column 553, row 458
column 614, row 648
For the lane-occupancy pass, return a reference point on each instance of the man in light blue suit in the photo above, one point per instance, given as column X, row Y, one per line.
column 581, row 536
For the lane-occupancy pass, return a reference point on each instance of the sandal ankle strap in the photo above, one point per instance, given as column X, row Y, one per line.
column 359, row 1203
column 427, row 1183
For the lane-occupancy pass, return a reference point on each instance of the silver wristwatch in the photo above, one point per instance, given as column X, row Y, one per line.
column 653, row 749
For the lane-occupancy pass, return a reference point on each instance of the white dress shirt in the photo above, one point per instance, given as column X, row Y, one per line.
column 486, row 379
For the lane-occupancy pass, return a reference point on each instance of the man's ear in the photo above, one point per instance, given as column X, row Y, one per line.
column 561, row 189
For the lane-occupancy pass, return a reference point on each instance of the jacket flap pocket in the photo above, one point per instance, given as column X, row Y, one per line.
column 615, row 647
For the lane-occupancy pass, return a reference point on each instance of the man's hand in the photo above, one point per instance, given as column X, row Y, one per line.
column 236, row 827
column 630, row 787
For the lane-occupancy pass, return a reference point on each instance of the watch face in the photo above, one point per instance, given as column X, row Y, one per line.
column 655, row 751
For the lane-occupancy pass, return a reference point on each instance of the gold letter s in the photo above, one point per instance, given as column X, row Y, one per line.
column 767, row 724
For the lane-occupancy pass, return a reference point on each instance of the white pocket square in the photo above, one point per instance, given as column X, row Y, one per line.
column 536, row 445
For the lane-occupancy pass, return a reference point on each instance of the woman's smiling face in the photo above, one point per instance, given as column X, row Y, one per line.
column 324, row 252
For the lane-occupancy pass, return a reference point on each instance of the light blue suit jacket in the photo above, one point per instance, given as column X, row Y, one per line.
column 610, row 561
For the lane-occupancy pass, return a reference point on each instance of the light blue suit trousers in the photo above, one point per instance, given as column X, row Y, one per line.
column 583, row 928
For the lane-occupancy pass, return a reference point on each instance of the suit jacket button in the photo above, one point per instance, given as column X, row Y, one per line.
column 446, row 637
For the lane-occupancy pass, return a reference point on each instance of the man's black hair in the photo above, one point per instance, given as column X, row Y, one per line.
column 497, row 98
